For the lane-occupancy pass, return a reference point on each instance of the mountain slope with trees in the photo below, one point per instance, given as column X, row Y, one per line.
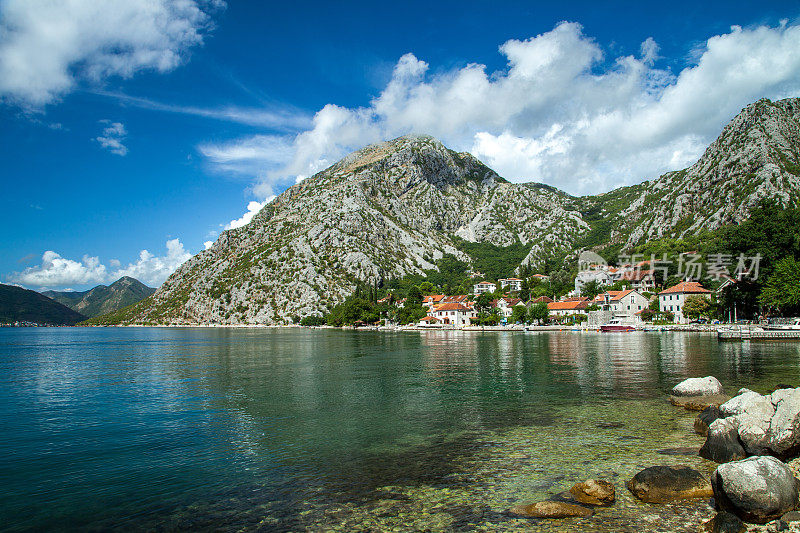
column 23, row 305
column 104, row 299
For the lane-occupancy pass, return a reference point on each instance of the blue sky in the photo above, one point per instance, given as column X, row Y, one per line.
column 131, row 135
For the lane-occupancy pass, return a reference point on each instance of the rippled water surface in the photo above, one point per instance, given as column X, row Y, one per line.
column 273, row 430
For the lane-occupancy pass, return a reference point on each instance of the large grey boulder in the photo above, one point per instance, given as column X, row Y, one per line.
column 757, row 489
column 739, row 403
column 707, row 386
column 770, row 425
column 722, row 442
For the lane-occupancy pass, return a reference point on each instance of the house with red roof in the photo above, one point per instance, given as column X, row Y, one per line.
column 432, row 300
column 570, row 307
column 513, row 284
column 453, row 314
column 627, row 302
column 674, row 298
column 483, row 286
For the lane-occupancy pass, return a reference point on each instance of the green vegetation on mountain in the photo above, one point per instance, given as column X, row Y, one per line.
column 104, row 299
column 494, row 261
column 22, row 305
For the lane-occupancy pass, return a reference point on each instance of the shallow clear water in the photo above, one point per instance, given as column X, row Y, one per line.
column 270, row 429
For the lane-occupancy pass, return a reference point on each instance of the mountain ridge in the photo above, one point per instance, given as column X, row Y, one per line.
column 396, row 207
column 103, row 299
column 24, row 305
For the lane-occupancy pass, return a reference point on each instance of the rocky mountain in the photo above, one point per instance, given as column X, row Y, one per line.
column 23, row 305
column 104, row 299
column 396, row 207
column 756, row 156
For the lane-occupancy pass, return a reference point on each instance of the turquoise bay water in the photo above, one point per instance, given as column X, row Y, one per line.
column 288, row 429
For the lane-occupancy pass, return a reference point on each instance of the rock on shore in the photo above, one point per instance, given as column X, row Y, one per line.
column 753, row 424
column 697, row 394
column 757, row 489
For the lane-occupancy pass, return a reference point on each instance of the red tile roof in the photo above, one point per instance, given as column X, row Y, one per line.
column 691, row 287
column 541, row 299
column 567, row 306
column 451, row 306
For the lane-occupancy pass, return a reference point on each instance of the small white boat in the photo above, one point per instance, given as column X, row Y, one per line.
column 619, row 323
column 794, row 325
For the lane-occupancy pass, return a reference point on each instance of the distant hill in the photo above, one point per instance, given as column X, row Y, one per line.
column 104, row 299
column 18, row 304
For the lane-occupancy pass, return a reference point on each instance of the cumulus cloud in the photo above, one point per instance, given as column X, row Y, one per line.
column 111, row 138
column 56, row 271
column 154, row 270
column 48, row 48
column 252, row 209
column 561, row 112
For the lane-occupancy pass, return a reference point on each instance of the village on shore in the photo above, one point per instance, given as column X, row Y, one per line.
column 626, row 295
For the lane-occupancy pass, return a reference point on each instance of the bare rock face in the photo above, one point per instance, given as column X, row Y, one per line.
column 550, row 510
column 757, row 489
column 661, row 484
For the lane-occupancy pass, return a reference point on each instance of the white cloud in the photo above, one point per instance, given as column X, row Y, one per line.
column 48, row 48
column 554, row 114
column 208, row 244
column 56, row 271
column 252, row 209
column 111, row 138
column 278, row 117
column 154, row 270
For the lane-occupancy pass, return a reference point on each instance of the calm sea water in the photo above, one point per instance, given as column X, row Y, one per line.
column 201, row 429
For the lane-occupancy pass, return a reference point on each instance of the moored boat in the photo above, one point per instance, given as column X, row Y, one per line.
column 618, row 323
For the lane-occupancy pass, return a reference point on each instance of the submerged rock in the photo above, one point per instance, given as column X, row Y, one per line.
column 724, row 522
column 757, row 489
column 660, row 484
column 722, row 442
column 594, row 492
column 699, row 403
column 705, row 419
column 707, row 386
column 550, row 510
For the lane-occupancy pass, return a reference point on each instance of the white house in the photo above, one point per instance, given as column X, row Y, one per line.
column 627, row 302
column 600, row 275
column 454, row 314
column 513, row 284
column 674, row 298
column 483, row 286
column 506, row 306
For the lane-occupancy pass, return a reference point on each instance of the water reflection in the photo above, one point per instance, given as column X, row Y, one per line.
column 131, row 427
